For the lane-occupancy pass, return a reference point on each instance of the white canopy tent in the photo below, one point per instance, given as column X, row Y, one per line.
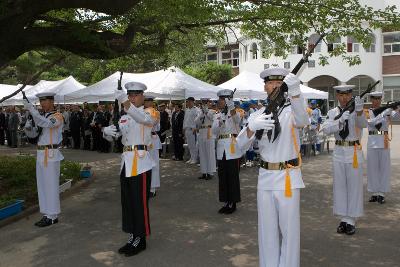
column 60, row 88
column 250, row 85
column 6, row 89
column 169, row 84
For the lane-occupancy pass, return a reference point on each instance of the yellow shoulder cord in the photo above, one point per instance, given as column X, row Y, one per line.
column 134, row 171
column 288, row 184
column 233, row 139
column 386, row 137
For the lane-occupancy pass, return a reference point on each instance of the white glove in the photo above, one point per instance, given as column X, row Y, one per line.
column 121, row 96
column 230, row 104
column 110, row 131
column 345, row 116
column 359, row 104
column 387, row 112
column 27, row 105
column 260, row 122
column 293, row 84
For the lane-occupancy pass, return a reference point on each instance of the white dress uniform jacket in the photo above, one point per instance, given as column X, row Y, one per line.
column 230, row 125
column 135, row 128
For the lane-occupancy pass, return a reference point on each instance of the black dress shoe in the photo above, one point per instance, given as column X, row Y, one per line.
column 208, row 177
column 231, row 209
column 341, row 228
column 350, row 229
column 204, row 176
column 373, row 199
column 223, row 209
column 133, row 250
column 46, row 222
column 381, row 199
column 125, row 248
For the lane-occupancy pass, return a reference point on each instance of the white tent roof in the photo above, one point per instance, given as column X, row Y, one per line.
column 250, row 85
column 172, row 83
column 6, row 89
column 60, row 88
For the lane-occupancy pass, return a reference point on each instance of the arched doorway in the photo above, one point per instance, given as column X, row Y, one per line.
column 361, row 82
column 325, row 83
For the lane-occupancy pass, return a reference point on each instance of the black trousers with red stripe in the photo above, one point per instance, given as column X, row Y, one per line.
column 228, row 176
column 135, row 203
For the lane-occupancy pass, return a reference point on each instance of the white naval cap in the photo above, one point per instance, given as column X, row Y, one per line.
column 148, row 96
column 224, row 93
column 376, row 94
column 45, row 95
column 135, row 87
column 274, row 74
column 344, row 88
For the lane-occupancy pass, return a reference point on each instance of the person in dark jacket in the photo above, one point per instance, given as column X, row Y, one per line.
column 13, row 124
column 87, row 129
column 75, row 125
column 2, row 126
column 177, row 131
column 164, row 122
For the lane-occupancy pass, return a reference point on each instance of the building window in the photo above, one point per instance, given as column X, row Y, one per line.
column 286, row 65
column 212, row 57
column 371, row 48
column 333, row 43
column 311, row 42
column 245, row 53
column 231, row 57
column 254, row 51
column 266, row 66
column 352, row 44
column 235, row 58
column 391, row 43
column 297, row 50
column 311, row 64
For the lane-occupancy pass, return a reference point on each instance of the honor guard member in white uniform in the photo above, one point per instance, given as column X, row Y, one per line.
column 279, row 177
column 189, row 129
column 378, row 150
column 226, row 126
column 347, row 159
column 206, row 140
column 48, row 157
column 135, row 128
column 155, row 145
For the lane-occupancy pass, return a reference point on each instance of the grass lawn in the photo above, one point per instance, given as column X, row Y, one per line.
column 18, row 178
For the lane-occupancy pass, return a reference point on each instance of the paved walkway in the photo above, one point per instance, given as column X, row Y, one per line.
column 186, row 229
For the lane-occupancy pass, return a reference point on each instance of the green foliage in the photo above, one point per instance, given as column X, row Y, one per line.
column 211, row 72
column 18, row 178
column 176, row 32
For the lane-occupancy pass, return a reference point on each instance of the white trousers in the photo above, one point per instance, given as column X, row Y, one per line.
column 347, row 190
column 278, row 228
column 207, row 156
column 155, row 171
column 191, row 141
column 48, row 179
column 378, row 170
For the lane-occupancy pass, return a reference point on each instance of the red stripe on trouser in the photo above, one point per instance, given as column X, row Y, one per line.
column 146, row 218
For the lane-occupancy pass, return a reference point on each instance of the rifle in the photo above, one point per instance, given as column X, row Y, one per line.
column 116, row 112
column 225, row 111
column 392, row 105
column 351, row 104
column 277, row 97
